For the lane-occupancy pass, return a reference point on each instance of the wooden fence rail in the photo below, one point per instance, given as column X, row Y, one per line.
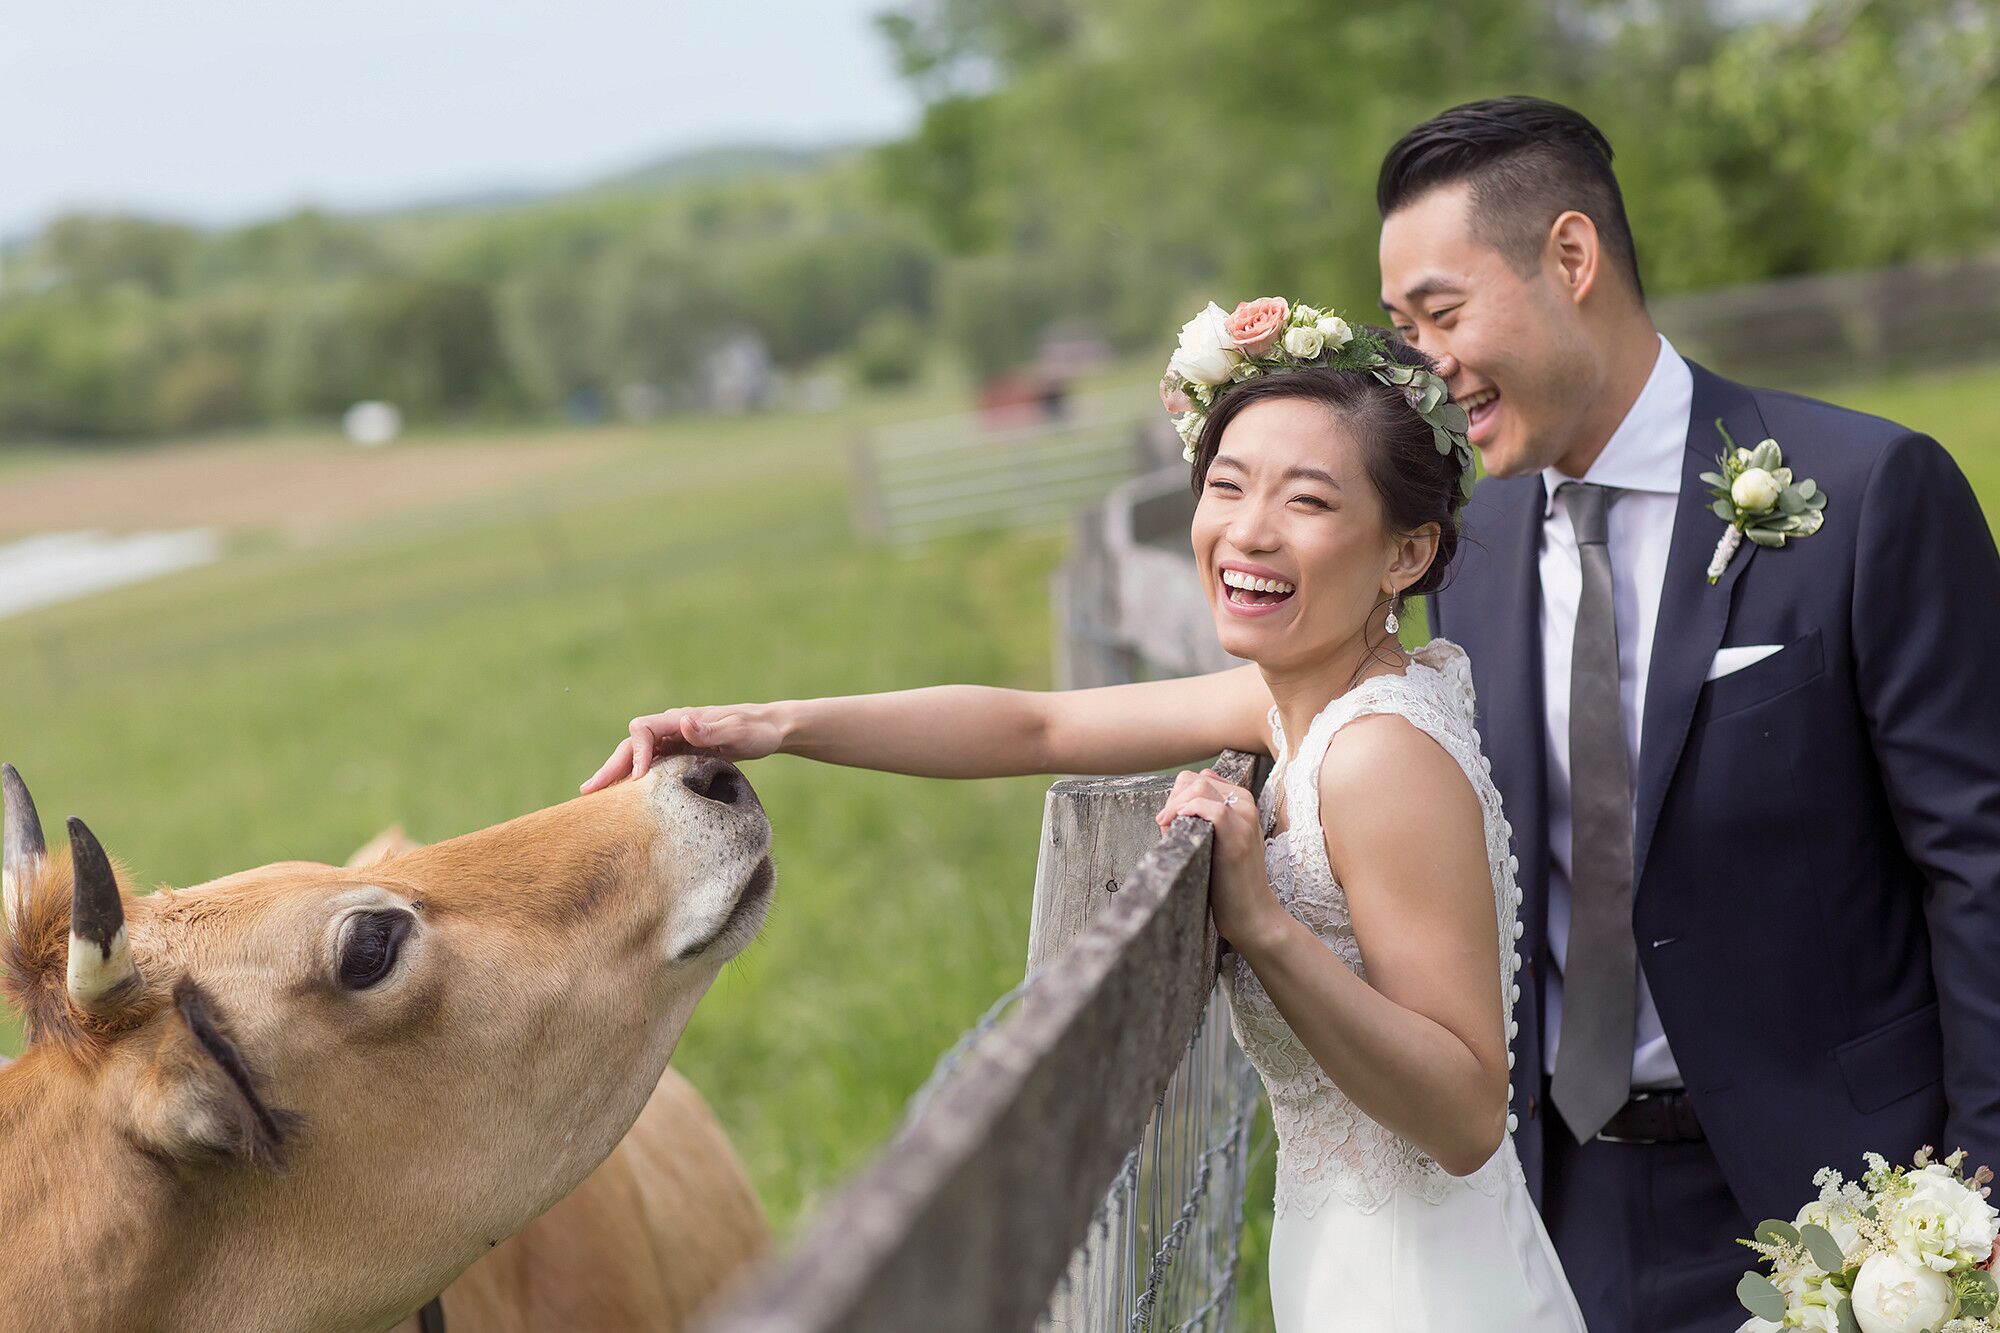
column 970, row 1215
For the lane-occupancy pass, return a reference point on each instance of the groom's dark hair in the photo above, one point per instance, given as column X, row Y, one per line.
column 1528, row 161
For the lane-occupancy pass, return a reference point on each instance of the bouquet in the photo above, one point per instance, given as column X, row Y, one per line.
column 1906, row 1249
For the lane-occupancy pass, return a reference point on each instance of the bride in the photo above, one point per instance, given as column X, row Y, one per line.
column 1367, row 896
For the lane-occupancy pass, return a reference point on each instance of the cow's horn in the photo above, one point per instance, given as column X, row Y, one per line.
column 24, row 849
column 100, row 956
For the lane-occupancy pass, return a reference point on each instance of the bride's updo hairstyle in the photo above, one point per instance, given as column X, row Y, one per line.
column 1417, row 483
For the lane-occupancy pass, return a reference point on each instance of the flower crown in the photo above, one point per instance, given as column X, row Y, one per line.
column 1270, row 335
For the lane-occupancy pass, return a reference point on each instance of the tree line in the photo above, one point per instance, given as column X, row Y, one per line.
column 1097, row 163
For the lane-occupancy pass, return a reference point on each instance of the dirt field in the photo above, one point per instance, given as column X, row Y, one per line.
column 297, row 487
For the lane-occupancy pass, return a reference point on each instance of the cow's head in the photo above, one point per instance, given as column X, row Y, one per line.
column 334, row 1088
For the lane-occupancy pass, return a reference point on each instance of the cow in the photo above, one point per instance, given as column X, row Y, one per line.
column 305, row 1098
column 645, row 1242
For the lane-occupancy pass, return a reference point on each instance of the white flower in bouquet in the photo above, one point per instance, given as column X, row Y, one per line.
column 1206, row 354
column 1892, row 1295
column 1838, row 1221
column 1940, row 1222
column 1305, row 342
column 1335, row 331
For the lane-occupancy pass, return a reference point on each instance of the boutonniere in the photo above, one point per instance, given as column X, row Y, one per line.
column 1757, row 497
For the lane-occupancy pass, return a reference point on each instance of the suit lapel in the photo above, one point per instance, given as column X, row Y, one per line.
column 1693, row 613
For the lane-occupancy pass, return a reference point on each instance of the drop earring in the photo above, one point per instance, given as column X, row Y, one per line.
column 1391, row 625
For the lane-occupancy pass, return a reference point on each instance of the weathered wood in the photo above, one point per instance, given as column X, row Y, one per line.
column 1094, row 832
column 969, row 1216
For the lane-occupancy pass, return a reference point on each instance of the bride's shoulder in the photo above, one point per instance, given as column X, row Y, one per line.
column 1382, row 763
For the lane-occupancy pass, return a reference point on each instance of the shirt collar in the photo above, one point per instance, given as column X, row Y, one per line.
column 1644, row 453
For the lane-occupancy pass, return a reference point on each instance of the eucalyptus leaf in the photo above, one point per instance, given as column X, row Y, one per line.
column 1441, row 440
column 1765, row 537
column 1808, row 488
column 1433, row 395
column 1465, row 481
column 1823, row 1248
column 1844, row 1313
column 1760, row 1298
column 1715, row 479
column 1773, row 1232
column 1984, row 1296
column 1724, row 509
column 1768, row 456
column 1452, row 417
column 1817, row 500
column 1791, row 502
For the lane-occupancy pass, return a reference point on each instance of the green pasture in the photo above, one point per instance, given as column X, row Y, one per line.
column 451, row 669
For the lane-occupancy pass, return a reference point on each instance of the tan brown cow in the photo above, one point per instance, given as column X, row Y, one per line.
column 643, row 1243
column 306, row 1098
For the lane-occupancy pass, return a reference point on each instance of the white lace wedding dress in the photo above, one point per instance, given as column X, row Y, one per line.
column 1371, row 1234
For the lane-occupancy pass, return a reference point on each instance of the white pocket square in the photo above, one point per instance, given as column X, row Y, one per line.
column 1729, row 660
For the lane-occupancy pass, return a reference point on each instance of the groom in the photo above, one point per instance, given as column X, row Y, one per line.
column 1757, row 819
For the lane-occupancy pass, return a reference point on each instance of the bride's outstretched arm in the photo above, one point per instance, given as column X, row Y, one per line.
column 971, row 731
column 1421, row 1045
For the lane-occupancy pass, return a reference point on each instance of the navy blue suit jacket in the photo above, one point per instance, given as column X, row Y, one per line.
column 1817, row 849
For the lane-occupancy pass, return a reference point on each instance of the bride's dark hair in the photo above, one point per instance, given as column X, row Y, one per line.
column 1418, row 484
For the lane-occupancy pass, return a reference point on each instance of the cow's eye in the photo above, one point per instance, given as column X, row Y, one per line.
column 368, row 946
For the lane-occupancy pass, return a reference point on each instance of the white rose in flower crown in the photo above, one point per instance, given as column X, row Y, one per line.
column 1893, row 1296
column 1941, row 1223
column 1305, row 314
column 1755, row 491
column 1304, row 343
column 1335, row 331
column 1206, row 354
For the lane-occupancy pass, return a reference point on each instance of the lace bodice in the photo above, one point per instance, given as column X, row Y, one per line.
column 1325, row 1144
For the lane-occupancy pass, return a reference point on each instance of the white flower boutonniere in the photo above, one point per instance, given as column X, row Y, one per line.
column 1757, row 497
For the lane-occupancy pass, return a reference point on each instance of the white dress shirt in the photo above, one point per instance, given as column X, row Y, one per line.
column 1643, row 460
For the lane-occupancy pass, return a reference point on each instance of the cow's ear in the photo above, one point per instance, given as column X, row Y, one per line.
column 199, row 1099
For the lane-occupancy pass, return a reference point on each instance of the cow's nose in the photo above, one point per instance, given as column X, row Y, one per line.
column 718, row 780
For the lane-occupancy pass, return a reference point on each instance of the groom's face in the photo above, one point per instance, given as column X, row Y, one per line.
column 1511, row 346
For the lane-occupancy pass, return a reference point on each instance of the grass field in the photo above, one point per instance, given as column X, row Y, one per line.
column 455, row 663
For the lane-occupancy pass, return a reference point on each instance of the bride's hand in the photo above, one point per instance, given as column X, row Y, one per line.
column 1240, row 897
column 733, row 731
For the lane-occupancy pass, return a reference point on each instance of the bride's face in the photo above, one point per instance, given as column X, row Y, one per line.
column 1288, row 499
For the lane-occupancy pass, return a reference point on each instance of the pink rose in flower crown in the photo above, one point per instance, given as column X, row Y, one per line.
column 1173, row 398
column 1255, row 326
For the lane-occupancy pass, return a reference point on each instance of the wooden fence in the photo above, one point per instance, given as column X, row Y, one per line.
column 924, row 479
column 1823, row 327
column 968, row 1219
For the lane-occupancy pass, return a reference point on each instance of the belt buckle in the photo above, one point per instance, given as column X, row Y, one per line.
column 1603, row 1137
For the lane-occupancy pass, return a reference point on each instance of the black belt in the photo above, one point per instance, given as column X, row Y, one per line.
column 1664, row 1115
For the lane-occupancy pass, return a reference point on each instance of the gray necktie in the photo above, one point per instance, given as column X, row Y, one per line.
column 1600, row 994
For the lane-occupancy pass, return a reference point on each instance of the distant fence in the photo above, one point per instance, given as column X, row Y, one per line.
column 917, row 480
column 1824, row 326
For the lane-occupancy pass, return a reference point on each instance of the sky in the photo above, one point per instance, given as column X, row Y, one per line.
column 217, row 111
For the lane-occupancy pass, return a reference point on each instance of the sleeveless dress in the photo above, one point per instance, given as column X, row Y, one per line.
column 1372, row 1235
